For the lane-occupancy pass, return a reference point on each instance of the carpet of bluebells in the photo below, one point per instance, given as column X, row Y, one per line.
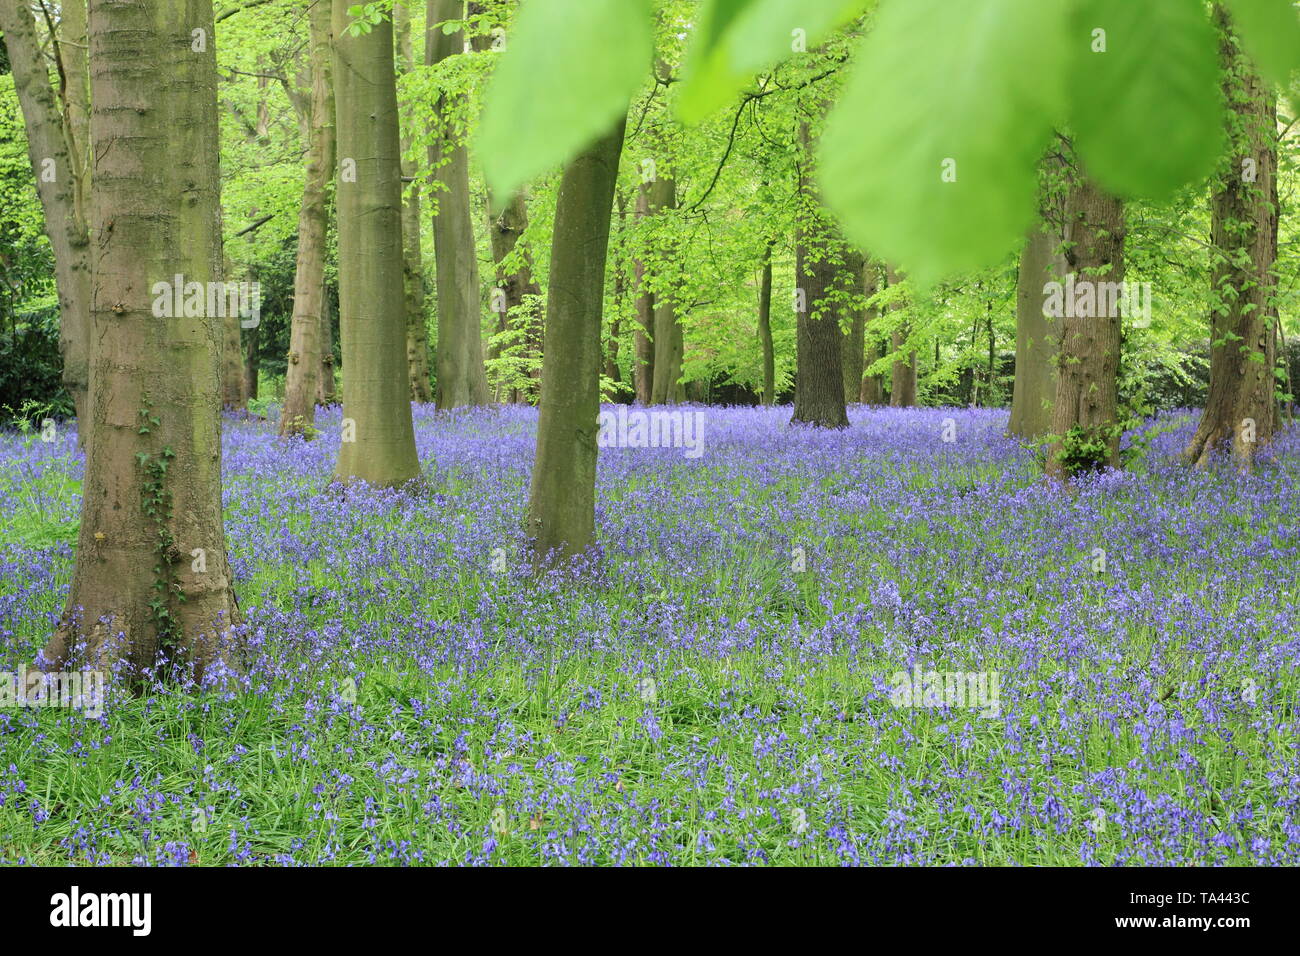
column 714, row 687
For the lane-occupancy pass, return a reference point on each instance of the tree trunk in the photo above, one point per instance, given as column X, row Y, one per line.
column 765, row 326
column 56, row 158
column 462, row 378
column 1084, row 415
column 379, row 448
column 819, row 280
column 325, row 381
column 562, row 496
column 151, row 573
column 1034, row 389
column 417, row 332
column 301, row 380
column 250, row 365
column 902, row 385
column 507, row 223
column 643, row 364
column 665, row 385
column 1240, row 407
column 872, row 389
column 854, row 342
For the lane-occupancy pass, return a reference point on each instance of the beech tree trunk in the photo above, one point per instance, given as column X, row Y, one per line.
column 1084, row 415
column 902, row 385
column 325, row 381
column 665, row 386
column 302, row 375
column 765, row 326
column 417, row 332
column 872, row 389
column 1240, row 407
column 562, row 496
column 643, row 360
column 151, row 575
column 56, row 147
column 854, row 341
column 820, row 280
column 1034, row 389
column 379, row 448
column 514, row 276
column 461, row 376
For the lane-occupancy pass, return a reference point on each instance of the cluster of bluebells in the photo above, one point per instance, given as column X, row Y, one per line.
column 713, row 686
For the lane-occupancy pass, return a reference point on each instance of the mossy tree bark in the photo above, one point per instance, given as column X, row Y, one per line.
column 1240, row 407
column 1085, row 422
column 151, row 572
column 562, row 496
column 461, row 376
column 378, row 436
column 303, row 371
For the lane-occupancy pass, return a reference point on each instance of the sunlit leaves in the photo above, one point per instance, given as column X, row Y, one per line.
column 736, row 39
column 1145, row 103
column 929, row 158
column 568, row 73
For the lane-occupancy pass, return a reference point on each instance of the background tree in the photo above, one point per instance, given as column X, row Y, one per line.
column 562, row 494
column 379, row 448
column 304, row 368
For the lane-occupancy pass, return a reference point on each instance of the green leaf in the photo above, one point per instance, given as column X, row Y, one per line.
column 979, row 83
column 1270, row 32
column 1147, row 112
column 569, row 71
column 737, row 39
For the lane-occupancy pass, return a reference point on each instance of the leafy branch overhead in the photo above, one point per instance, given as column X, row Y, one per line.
column 943, row 118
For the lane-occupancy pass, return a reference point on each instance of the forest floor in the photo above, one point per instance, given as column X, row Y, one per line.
column 725, row 682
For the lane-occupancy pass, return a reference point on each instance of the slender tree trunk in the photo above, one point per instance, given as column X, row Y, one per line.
column 765, row 326
column 417, row 332
column 378, row 437
column 1084, row 415
column 853, row 343
column 514, row 274
column 819, row 279
column 250, row 365
column 462, row 379
column 902, row 385
column 643, row 365
column 151, row 572
column 562, row 497
column 325, row 381
column 665, row 386
column 1240, row 407
column 56, row 158
column 302, row 375
column 872, row 389
column 1034, row 389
